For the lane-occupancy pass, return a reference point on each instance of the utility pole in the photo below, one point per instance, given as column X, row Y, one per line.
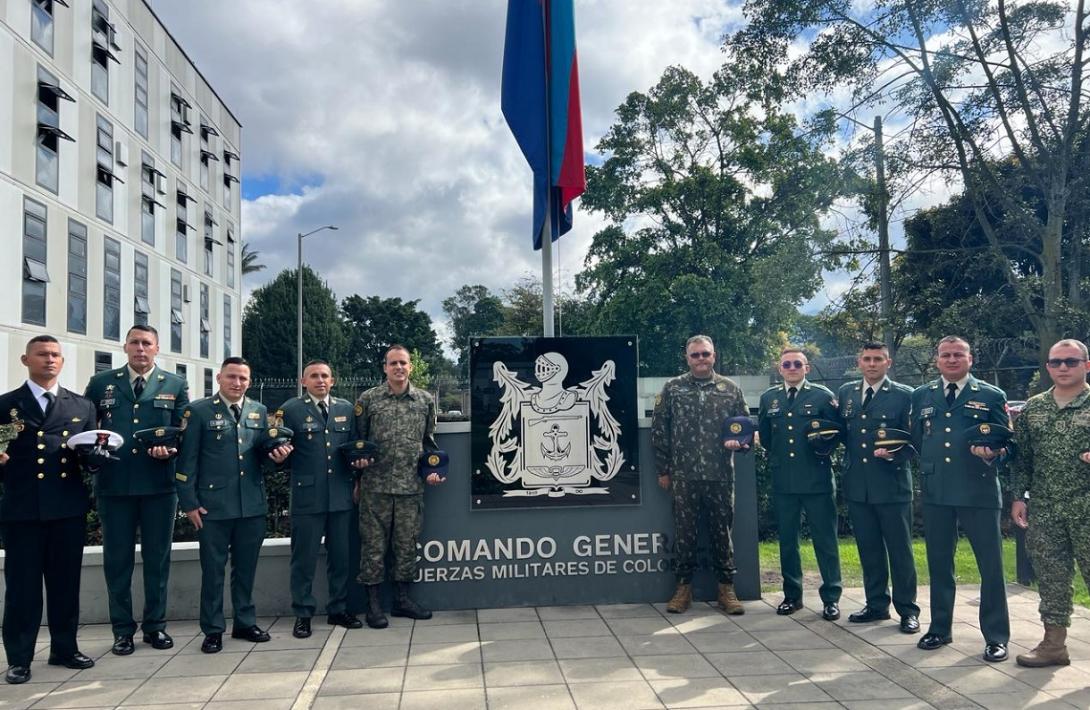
column 885, row 290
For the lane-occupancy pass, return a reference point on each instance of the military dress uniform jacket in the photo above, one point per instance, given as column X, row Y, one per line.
column 403, row 426
column 796, row 469
column 43, row 479
column 686, row 428
column 867, row 478
column 949, row 473
column 1049, row 440
column 219, row 465
column 321, row 480
column 161, row 403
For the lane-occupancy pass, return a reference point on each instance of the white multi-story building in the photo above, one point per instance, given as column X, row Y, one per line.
column 119, row 192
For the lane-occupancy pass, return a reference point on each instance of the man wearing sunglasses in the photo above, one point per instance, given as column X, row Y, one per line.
column 801, row 480
column 695, row 465
column 1052, row 436
column 958, row 484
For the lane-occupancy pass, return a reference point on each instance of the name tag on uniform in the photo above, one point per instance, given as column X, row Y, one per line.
column 165, row 396
column 253, row 415
column 976, row 405
column 340, row 420
column 927, row 411
column 807, row 409
column 108, row 402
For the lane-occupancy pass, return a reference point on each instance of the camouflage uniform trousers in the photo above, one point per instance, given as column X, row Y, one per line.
column 393, row 520
column 717, row 499
column 1058, row 536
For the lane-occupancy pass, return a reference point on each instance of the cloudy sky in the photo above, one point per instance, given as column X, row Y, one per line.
column 383, row 118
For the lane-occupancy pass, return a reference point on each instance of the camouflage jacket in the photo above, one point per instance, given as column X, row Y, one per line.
column 403, row 426
column 1048, row 443
column 687, row 426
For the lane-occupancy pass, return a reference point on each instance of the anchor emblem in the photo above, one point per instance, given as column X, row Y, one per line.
column 557, row 452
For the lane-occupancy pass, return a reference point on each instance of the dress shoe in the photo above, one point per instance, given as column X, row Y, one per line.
column 995, row 652
column 301, row 629
column 831, row 611
column 868, row 614
column 123, row 645
column 160, row 640
column 910, row 624
column 76, row 661
column 933, row 642
column 348, row 621
column 213, row 643
column 17, row 674
column 253, row 633
column 788, row 607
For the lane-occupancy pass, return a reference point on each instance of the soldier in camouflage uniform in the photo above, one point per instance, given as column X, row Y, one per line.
column 696, row 466
column 400, row 419
column 1052, row 435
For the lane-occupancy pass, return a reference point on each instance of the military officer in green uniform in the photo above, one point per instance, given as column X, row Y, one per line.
column 321, row 483
column 1052, row 435
column 137, row 492
column 801, row 480
column 400, row 419
column 959, row 484
column 222, row 491
column 695, row 465
column 878, row 488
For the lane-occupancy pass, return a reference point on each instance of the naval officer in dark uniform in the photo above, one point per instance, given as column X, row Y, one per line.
column 960, row 485
column 222, row 491
column 801, row 480
column 42, row 512
column 137, row 492
column 321, row 486
column 878, row 487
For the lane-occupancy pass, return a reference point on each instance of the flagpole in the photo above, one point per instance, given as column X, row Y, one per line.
column 547, row 228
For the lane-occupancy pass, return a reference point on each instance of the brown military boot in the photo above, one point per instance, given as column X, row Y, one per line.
column 728, row 600
column 682, row 599
column 1052, row 651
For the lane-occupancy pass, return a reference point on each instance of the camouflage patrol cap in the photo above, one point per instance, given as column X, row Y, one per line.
column 433, row 462
column 274, row 437
column 168, row 436
column 823, row 435
column 739, row 429
column 896, row 441
column 359, row 450
column 994, row 436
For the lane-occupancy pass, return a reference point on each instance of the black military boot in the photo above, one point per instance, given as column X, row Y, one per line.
column 405, row 606
column 375, row 617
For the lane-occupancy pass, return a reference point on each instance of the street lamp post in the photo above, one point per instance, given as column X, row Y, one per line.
column 299, row 309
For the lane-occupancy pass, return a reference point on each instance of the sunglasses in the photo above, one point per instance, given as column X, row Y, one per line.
column 701, row 353
column 789, row 364
column 1071, row 362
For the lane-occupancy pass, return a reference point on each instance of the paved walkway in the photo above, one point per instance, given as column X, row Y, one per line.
column 627, row 656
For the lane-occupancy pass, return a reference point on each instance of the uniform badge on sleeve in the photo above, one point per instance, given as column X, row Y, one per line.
column 359, row 409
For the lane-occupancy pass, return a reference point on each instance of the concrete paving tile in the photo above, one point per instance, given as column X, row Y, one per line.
column 462, row 675
column 1049, row 679
column 797, row 640
column 800, row 706
column 977, row 679
column 266, row 704
column 256, row 686
column 530, row 697
column 894, row 704
column 514, row 673
column 945, row 657
column 656, row 645
column 92, row 693
column 748, row 663
column 781, row 688
column 598, row 670
column 592, row 647
column 882, row 635
column 697, row 692
column 684, row 665
column 766, row 622
column 443, row 618
column 521, row 650
column 371, row 657
column 622, row 695
column 378, row 637
column 19, row 697
column 642, row 626
column 362, row 680
column 821, row 661
column 626, row 611
column 191, row 689
column 443, row 653
column 287, row 642
column 567, row 613
column 577, row 628
column 371, row 701
column 41, row 672
column 1078, row 698
column 230, row 645
column 95, row 631
column 704, row 623
column 512, row 630
column 201, row 664
column 735, row 641
column 165, row 706
column 461, row 699
column 447, row 633
column 861, row 685
column 1019, row 700
column 494, row 616
column 279, row 661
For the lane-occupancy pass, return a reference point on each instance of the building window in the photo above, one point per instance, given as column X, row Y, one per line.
column 230, row 251
column 226, row 326
column 49, row 133
column 179, row 124
column 207, row 156
column 181, row 235
column 206, row 324
column 104, row 171
column 181, row 371
column 41, row 23
column 176, row 319
column 77, row 277
column 141, row 307
column 103, row 361
column 111, row 301
column 228, row 158
column 35, row 276
column 207, row 382
column 140, row 91
column 151, row 186
column 103, row 46
column 209, row 241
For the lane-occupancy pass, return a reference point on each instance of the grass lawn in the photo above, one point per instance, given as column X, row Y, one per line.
column 852, row 573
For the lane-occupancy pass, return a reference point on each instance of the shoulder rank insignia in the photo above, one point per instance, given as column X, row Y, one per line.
column 186, row 413
column 359, row 409
column 722, row 386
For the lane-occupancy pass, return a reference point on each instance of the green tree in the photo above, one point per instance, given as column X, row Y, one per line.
column 472, row 310
column 714, row 196
column 269, row 325
column 373, row 323
column 421, row 372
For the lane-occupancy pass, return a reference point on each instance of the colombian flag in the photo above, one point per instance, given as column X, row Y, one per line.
column 540, row 100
